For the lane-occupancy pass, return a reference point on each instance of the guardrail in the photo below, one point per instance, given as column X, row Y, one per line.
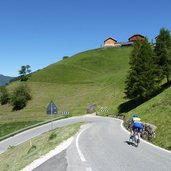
column 29, row 127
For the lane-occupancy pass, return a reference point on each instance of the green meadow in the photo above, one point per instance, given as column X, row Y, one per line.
column 95, row 76
column 92, row 77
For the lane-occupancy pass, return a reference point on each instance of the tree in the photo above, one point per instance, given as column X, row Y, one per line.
column 163, row 53
column 4, row 95
column 141, row 81
column 20, row 96
column 65, row 57
column 25, row 70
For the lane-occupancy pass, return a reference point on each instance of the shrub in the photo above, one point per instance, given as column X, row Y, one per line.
column 52, row 136
column 65, row 57
column 20, row 96
column 4, row 95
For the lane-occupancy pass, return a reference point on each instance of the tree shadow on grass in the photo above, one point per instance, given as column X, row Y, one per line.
column 165, row 86
column 131, row 104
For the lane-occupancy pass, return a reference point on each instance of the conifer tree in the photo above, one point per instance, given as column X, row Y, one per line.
column 141, row 80
column 163, row 54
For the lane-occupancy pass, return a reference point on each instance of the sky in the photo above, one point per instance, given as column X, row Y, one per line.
column 41, row 32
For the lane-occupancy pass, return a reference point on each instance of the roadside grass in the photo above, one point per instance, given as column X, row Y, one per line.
column 157, row 111
column 17, row 157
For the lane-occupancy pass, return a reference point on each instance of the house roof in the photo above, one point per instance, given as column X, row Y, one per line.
column 110, row 38
column 135, row 36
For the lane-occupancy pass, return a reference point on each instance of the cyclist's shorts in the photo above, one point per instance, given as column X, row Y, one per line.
column 137, row 126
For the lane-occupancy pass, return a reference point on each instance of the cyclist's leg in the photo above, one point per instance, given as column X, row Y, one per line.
column 131, row 132
column 139, row 132
column 134, row 133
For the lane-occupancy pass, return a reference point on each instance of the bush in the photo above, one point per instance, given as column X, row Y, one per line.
column 4, row 95
column 23, row 77
column 52, row 136
column 20, row 96
column 65, row 57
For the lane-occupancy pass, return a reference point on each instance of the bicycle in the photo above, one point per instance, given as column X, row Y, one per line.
column 135, row 138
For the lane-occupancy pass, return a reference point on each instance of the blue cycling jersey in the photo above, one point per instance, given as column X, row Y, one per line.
column 137, row 125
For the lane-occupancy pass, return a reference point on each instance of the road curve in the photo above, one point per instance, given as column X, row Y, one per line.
column 100, row 147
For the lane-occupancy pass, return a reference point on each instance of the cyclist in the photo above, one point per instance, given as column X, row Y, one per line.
column 135, row 124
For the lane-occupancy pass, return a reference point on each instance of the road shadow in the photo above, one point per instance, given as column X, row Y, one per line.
column 130, row 143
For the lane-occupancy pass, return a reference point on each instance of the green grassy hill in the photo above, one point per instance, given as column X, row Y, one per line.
column 99, row 65
column 92, row 77
column 95, row 76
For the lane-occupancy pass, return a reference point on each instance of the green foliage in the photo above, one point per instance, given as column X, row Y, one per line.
column 65, row 57
column 20, row 96
column 24, row 71
column 52, row 136
column 141, row 81
column 4, row 95
column 163, row 53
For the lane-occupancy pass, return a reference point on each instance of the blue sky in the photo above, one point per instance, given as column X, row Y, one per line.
column 41, row 32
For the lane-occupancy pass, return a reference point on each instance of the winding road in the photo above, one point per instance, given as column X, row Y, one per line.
column 101, row 145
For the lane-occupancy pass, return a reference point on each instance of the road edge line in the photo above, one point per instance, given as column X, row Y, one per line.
column 85, row 127
column 155, row 146
column 49, row 155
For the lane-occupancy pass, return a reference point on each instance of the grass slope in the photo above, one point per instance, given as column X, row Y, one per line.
column 95, row 76
column 99, row 65
column 157, row 111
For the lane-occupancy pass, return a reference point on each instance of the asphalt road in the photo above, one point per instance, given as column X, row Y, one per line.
column 102, row 146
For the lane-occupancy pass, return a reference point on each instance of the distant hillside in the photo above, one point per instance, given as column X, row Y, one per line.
column 98, row 65
column 4, row 79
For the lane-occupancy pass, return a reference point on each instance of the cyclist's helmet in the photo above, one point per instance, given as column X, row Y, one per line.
column 135, row 115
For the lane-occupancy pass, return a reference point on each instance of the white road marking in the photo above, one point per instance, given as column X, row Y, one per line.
column 47, row 156
column 77, row 145
column 143, row 139
column 88, row 169
column 78, row 148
